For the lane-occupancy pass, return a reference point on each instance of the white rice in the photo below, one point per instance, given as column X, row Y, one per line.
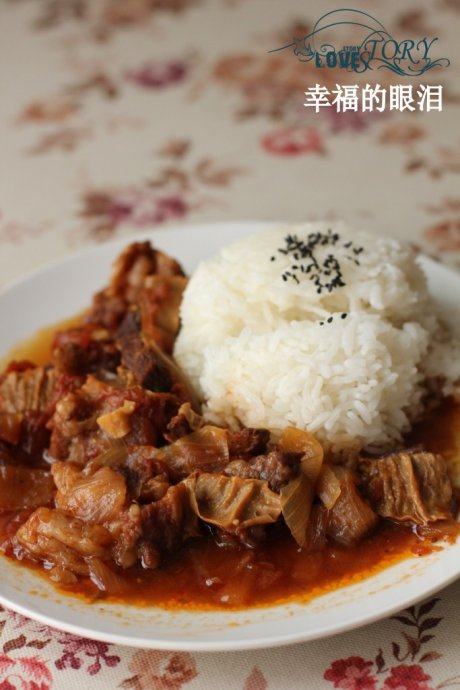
column 255, row 350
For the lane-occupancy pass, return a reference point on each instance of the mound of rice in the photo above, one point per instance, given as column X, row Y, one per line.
column 264, row 351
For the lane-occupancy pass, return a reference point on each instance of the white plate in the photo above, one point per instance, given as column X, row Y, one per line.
column 60, row 290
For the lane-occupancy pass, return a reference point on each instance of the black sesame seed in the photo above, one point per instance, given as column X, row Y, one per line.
column 326, row 273
column 344, row 316
column 329, row 319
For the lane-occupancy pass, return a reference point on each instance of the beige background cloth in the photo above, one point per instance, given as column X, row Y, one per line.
column 117, row 115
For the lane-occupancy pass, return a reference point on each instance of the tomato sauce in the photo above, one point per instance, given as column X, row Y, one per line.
column 204, row 575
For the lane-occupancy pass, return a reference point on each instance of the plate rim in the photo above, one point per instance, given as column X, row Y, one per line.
column 231, row 645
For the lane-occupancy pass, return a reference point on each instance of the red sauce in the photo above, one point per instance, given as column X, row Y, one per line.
column 203, row 575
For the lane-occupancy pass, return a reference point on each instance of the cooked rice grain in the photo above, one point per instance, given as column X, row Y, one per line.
column 254, row 346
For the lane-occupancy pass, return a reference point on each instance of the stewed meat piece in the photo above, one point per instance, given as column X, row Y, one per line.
column 170, row 521
column 153, row 369
column 276, row 468
column 408, row 486
column 88, row 421
column 138, row 261
column 184, row 423
column 30, row 390
column 147, row 477
column 159, row 301
column 149, row 370
column 351, row 517
column 86, row 349
column 248, row 442
column 28, row 396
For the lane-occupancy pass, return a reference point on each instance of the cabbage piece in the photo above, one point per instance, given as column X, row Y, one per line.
column 297, row 496
column 232, row 503
column 55, row 538
column 21, row 487
column 97, row 497
column 194, row 419
column 62, row 576
column 114, row 456
column 206, row 449
column 117, row 423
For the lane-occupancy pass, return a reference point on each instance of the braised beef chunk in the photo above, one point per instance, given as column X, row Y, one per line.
column 184, row 423
column 153, row 369
column 149, row 371
column 130, row 326
column 408, row 486
column 351, row 518
column 30, row 390
column 435, row 485
column 73, row 430
column 178, row 426
column 150, row 419
column 28, row 396
column 147, row 476
column 276, row 468
column 159, row 301
column 248, row 442
column 85, row 350
column 168, row 522
column 127, row 532
column 138, row 261
column 88, row 421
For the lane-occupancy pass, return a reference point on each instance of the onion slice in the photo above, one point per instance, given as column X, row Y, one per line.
column 328, row 487
column 297, row 496
column 103, row 577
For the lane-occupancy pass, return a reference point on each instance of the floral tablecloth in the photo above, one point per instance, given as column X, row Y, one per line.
column 117, row 115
